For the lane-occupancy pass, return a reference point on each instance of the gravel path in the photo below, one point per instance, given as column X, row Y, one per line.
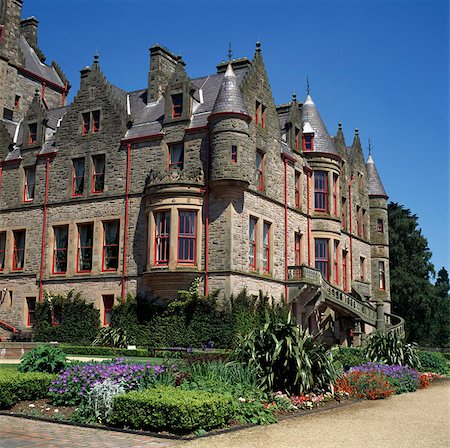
column 420, row 419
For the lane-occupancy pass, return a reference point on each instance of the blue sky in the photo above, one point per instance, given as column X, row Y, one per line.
column 380, row 66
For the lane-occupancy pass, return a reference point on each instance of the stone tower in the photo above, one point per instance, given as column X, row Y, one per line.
column 379, row 237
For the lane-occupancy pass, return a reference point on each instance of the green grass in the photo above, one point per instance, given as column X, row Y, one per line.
column 12, row 367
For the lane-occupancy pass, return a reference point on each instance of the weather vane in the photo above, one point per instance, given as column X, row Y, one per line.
column 230, row 52
column 308, row 88
column 370, row 146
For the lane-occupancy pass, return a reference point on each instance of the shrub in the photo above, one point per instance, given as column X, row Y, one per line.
column 102, row 351
column 43, row 358
column 287, row 359
column 15, row 386
column 391, row 349
column 349, row 357
column 80, row 321
column 371, row 385
column 75, row 382
column 401, row 378
column 172, row 409
column 112, row 337
column 433, row 362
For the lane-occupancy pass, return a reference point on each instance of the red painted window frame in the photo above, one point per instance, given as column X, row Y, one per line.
column 60, row 249
column 336, row 262
column 79, row 248
column 183, row 237
column 163, row 238
column 86, row 117
column 57, row 312
column 380, row 226
column 260, row 169
column 322, row 258
column 344, row 271
column 381, row 276
column 30, row 311
column 175, row 164
column 177, row 105
column 297, row 185
column 252, row 243
column 234, row 149
column 343, row 213
column 32, row 133
column 74, row 177
column 25, row 183
column 266, row 247
column 95, row 121
column 321, row 191
column 3, row 251
column 16, row 250
column 100, row 174
column 362, row 268
column 308, row 142
column 108, row 303
column 335, row 194
column 113, row 245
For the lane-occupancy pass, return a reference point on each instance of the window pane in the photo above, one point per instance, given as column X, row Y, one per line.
column 85, row 234
column 111, row 245
column 30, row 175
column 19, row 249
column 252, row 243
column 162, row 222
column 78, row 176
column 266, row 247
column 187, row 236
column 99, row 173
column 60, row 252
column 2, row 250
column 176, row 157
column 95, row 120
column 321, row 256
column 320, row 191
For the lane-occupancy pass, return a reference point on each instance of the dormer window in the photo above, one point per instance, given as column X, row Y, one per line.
column 91, row 122
column 32, row 133
column 177, row 105
column 176, row 157
column 308, row 142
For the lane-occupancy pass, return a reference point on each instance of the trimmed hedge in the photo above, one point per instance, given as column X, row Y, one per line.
column 433, row 362
column 16, row 386
column 171, row 409
column 83, row 350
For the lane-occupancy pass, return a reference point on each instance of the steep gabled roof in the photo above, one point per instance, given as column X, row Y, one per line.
column 375, row 186
column 322, row 140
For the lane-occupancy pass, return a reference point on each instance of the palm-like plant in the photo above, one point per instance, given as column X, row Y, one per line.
column 286, row 358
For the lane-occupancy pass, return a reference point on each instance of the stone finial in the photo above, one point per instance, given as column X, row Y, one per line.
column 96, row 57
column 294, row 97
column 356, row 131
column 339, row 126
column 258, row 46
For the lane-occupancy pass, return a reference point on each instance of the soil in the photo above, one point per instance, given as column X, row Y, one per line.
column 43, row 408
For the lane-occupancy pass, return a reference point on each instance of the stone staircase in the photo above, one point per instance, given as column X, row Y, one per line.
column 310, row 281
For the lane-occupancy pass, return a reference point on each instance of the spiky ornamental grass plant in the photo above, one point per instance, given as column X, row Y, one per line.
column 286, row 358
column 391, row 349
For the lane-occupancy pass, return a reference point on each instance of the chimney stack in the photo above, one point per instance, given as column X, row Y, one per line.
column 28, row 29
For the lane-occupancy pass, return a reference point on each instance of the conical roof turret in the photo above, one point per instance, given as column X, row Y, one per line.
column 375, row 186
column 229, row 98
column 322, row 140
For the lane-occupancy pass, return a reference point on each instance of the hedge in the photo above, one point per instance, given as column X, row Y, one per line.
column 82, row 350
column 16, row 386
column 433, row 362
column 171, row 409
column 349, row 357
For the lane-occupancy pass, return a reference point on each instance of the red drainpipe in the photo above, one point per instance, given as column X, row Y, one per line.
column 207, row 224
column 351, row 227
column 308, row 183
column 125, row 234
column 44, row 226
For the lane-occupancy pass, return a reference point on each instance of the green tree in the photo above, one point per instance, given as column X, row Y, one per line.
column 413, row 296
column 441, row 327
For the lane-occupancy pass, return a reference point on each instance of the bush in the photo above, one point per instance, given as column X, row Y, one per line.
column 349, row 357
column 433, row 362
column 102, row 351
column 112, row 337
column 80, row 320
column 286, row 359
column 16, row 386
column 391, row 349
column 44, row 359
column 171, row 409
column 371, row 385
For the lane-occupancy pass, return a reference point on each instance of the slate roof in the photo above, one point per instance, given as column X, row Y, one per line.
column 375, row 186
column 322, row 140
column 148, row 118
column 229, row 98
column 34, row 65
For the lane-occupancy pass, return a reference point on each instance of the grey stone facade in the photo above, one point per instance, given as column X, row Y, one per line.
column 187, row 167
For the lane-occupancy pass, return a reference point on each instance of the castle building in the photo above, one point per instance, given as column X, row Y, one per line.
column 141, row 192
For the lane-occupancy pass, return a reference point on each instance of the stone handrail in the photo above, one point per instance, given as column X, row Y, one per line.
column 365, row 311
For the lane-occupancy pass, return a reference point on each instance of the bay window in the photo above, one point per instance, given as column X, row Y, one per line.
column 322, row 257
column 110, row 245
column 320, row 191
column 187, row 237
column 336, row 262
column 162, row 237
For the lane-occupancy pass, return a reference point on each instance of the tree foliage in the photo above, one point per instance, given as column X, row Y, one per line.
column 423, row 305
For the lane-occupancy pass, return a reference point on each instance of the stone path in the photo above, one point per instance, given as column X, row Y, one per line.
column 420, row 419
